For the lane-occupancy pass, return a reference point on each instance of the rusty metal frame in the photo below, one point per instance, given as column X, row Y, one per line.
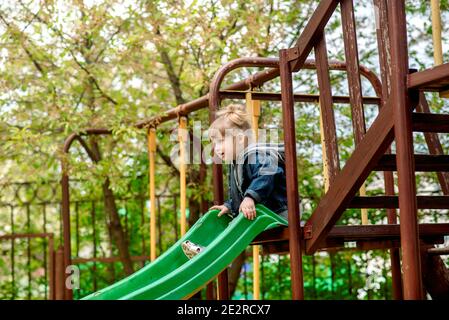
column 215, row 94
column 394, row 120
column 219, row 76
column 401, row 100
column 214, row 101
column 184, row 110
column 256, row 79
column 50, row 252
column 295, row 236
column 65, row 206
column 294, row 58
column 382, row 30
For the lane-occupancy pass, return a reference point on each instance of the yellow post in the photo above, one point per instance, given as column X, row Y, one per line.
column 324, row 154
column 326, row 172
column 253, row 108
column 182, row 135
column 256, row 273
column 152, row 155
column 364, row 210
column 436, row 32
column 436, row 37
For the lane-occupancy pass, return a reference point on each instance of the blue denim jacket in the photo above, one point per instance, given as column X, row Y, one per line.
column 263, row 182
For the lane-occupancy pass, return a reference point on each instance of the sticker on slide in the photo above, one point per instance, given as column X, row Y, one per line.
column 191, row 249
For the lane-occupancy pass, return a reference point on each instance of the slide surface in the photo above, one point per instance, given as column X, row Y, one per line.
column 174, row 276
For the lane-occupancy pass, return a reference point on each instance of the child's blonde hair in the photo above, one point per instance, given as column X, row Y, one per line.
column 234, row 116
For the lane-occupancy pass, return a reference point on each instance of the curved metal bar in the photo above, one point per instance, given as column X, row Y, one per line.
column 232, row 65
column 214, row 92
column 65, row 194
column 341, row 66
column 89, row 131
column 202, row 102
column 254, row 80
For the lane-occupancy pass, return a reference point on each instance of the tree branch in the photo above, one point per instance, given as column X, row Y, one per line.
column 14, row 29
column 167, row 160
column 72, row 53
column 169, row 68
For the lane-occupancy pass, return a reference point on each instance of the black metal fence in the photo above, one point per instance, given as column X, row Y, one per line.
column 31, row 232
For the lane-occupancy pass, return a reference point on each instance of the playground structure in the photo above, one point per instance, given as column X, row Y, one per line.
column 403, row 109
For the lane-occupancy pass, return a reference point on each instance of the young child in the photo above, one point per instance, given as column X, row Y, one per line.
column 256, row 170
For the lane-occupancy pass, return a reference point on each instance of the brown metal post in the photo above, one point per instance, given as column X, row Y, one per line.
column 353, row 68
column 59, row 274
column 382, row 28
column 68, row 294
column 223, row 290
column 51, row 268
column 383, row 42
column 210, row 290
column 326, row 105
column 411, row 264
column 396, row 273
column 294, row 228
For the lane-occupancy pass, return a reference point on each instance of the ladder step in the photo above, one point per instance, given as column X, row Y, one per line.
column 434, row 79
column 392, row 202
column 423, row 163
column 370, row 232
column 430, row 122
column 430, row 232
column 298, row 97
column 438, row 251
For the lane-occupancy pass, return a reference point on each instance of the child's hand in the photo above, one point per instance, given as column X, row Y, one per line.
column 223, row 209
column 248, row 208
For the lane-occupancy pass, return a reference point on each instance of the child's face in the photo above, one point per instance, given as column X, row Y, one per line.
column 224, row 148
column 227, row 147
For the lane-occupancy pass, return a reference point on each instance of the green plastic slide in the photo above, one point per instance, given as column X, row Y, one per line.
column 174, row 276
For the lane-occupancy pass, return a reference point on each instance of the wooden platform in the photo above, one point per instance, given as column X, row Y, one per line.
column 430, row 122
column 423, row 162
column 367, row 237
column 391, row 202
column 434, row 79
